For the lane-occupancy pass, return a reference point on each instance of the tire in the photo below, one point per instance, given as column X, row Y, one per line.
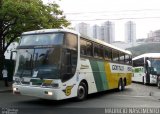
column 125, row 82
column 158, row 84
column 82, row 91
column 143, row 80
column 120, row 85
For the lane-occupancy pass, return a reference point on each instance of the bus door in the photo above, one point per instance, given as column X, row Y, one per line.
column 148, row 65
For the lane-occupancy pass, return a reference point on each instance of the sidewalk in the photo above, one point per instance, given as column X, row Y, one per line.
column 5, row 89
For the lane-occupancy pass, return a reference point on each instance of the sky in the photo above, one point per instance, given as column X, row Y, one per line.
column 145, row 13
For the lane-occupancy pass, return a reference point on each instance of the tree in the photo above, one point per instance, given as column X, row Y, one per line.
column 17, row 16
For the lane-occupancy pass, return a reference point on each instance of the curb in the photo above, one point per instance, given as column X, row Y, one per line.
column 4, row 91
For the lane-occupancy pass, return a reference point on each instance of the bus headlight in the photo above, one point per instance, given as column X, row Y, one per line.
column 15, row 89
column 48, row 93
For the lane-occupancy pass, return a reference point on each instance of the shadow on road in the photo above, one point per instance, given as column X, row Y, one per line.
column 54, row 103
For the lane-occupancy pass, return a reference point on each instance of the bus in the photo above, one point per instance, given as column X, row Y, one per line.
column 60, row 63
column 146, row 68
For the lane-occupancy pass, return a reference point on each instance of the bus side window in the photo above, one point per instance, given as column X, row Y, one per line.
column 127, row 59
column 115, row 55
column 107, row 53
column 95, row 51
column 98, row 51
column 71, row 41
column 83, row 47
column 130, row 59
column 89, row 48
column 121, row 57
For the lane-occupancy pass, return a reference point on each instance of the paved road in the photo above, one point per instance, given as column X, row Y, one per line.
column 135, row 95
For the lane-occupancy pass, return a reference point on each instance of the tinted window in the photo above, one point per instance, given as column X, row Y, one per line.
column 86, row 47
column 83, row 47
column 115, row 55
column 128, row 59
column 43, row 39
column 71, row 41
column 89, row 48
column 121, row 57
column 108, row 53
column 98, row 50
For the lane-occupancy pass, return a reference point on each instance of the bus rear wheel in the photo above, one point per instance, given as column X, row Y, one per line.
column 121, row 85
column 143, row 80
column 82, row 91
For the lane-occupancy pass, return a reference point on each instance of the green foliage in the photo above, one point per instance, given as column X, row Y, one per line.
column 145, row 48
column 17, row 16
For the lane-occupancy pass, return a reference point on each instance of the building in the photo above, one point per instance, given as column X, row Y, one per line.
column 97, row 32
column 130, row 32
column 108, row 32
column 84, row 29
column 153, row 36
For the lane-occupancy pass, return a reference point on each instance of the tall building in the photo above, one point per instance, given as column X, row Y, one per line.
column 130, row 32
column 105, row 32
column 108, row 32
column 97, row 32
column 84, row 29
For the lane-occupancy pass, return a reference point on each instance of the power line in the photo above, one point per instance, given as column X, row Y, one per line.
column 117, row 19
column 121, row 11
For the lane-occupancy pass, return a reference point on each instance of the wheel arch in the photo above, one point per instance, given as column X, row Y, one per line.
column 86, row 83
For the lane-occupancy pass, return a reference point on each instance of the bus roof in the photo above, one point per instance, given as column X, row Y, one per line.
column 150, row 55
column 49, row 31
column 74, row 32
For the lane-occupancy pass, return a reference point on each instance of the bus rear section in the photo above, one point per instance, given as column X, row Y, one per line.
column 146, row 68
column 138, row 74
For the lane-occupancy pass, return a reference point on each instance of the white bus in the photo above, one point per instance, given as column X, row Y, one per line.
column 146, row 68
column 59, row 64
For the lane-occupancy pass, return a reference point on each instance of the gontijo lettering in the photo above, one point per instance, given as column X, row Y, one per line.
column 118, row 67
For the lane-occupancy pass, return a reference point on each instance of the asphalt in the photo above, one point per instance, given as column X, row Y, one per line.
column 3, row 88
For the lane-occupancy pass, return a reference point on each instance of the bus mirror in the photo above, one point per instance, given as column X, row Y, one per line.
column 149, row 63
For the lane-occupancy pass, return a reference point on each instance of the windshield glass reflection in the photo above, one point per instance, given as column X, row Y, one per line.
column 42, row 63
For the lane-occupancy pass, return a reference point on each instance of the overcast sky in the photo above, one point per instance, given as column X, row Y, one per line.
column 145, row 13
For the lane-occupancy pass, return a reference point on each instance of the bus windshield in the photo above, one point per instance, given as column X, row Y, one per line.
column 41, row 61
column 38, row 63
column 156, row 65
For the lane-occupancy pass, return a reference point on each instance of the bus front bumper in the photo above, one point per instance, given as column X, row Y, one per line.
column 40, row 92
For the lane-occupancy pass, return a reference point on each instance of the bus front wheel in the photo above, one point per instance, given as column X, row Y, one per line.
column 158, row 84
column 82, row 91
